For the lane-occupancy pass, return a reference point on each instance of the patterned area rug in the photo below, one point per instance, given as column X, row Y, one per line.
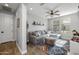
column 55, row 50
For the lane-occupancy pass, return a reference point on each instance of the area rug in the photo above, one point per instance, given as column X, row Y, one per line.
column 55, row 50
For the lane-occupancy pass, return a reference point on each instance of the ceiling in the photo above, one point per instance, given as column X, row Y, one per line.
column 11, row 5
column 64, row 8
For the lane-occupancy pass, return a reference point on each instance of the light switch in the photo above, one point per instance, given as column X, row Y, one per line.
column 2, row 31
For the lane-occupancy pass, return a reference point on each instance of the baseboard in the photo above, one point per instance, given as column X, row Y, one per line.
column 22, row 52
column 6, row 41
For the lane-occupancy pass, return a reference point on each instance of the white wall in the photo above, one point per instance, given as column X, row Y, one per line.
column 32, row 18
column 24, row 29
column 74, row 20
column 6, row 25
column 74, row 24
column 20, row 34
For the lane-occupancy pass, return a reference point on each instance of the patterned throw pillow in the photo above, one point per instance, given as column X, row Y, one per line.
column 37, row 33
column 75, row 39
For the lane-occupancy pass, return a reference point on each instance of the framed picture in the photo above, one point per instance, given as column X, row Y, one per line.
column 27, row 25
column 18, row 22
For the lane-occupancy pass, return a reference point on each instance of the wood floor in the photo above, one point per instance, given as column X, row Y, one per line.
column 36, row 50
column 9, row 48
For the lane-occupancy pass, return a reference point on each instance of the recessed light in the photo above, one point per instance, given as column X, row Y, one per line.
column 6, row 4
column 31, row 8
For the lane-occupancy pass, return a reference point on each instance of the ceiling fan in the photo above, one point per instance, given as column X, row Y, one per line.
column 52, row 12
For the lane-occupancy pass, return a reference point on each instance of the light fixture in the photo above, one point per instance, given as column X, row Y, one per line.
column 6, row 4
column 31, row 8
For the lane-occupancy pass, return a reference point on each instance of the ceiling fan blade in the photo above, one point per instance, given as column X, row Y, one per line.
column 49, row 16
column 56, row 11
column 48, row 12
column 57, row 14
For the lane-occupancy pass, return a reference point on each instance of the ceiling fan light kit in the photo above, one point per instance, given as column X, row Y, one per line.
column 52, row 12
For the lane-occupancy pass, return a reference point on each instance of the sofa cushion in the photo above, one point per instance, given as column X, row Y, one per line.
column 37, row 33
column 76, row 39
column 43, row 32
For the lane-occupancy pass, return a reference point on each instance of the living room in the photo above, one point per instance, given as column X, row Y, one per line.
column 39, row 28
column 45, row 27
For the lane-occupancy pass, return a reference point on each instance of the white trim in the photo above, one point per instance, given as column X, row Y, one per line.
column 7, row 41
column 22, row 52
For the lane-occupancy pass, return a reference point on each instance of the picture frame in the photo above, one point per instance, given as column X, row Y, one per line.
column 18, row 22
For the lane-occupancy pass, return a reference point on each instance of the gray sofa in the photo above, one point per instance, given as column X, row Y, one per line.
column 37, row 38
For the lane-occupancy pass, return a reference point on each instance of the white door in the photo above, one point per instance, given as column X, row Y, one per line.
column 6, row 28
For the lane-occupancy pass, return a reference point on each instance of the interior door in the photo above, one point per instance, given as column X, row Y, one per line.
column 6, row 28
